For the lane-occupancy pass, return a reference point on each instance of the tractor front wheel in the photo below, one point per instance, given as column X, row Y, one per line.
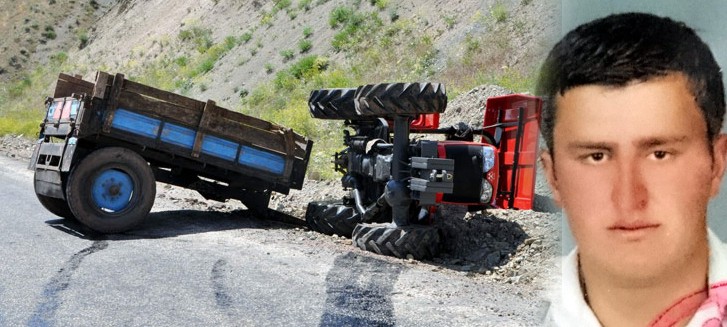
column 417, row 241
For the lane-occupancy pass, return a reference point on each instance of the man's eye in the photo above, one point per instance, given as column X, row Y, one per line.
column 661, row 155
column 593, row 158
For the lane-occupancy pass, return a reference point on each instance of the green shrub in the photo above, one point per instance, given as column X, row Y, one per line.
column 16, row 89
column 307, row 32
column 49, row 33
column 246, row 37
column 499, row 12
column 304, row 46
column 381, row 4
column 59, row 58
column 357, row 28
column 205, row 66
column 393, row 15
column 267, row 19
column 308, row 66
column 243, row 93
column 230, row 42
column 200, row 37
column 181, row 61
column 282, row 4
column 340, row 15
column 450, row 21
column 305, row 4
column 269, row 68
column 287, row 54
column 82, row 38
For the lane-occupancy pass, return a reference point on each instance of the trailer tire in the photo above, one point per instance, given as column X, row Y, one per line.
column 332, row 217
column 111, row 190
column 332, row 104
column 419, row 241
column 400, row 99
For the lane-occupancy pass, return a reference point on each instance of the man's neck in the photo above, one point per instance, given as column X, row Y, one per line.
column 628, row 303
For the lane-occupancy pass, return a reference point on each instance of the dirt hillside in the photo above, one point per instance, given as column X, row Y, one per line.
column 126, row 35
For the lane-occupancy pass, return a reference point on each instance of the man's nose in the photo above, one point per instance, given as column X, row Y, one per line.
column 629, row 192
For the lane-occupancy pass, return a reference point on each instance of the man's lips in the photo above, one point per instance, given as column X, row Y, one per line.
column 633, row 226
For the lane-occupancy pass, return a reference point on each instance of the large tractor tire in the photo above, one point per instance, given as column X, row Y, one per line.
column 111, row 190
column 386, row 100
column 332, row 104
column 419, row 241
column 332, row 218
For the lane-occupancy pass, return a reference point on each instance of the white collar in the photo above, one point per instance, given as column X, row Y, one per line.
column 568, row 307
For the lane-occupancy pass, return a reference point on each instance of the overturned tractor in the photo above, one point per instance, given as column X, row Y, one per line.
column 396, row 183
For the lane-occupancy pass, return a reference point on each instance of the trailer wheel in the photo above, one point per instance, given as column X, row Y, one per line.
column 419, row 241
column 332, row 104
column 400, row 99
column 111, row 190
column 332, row 217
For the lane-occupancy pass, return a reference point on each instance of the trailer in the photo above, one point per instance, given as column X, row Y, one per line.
column 103, row 145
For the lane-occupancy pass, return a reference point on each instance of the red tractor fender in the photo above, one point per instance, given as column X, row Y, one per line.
column 512, row 123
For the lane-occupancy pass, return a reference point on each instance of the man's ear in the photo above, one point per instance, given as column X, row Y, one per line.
column 547, row 160
column 720, row 162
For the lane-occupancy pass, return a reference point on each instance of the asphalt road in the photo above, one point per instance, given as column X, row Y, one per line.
column 199, row 268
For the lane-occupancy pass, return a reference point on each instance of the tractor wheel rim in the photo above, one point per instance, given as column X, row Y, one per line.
column 112, row 190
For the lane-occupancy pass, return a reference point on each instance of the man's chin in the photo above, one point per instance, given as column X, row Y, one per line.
column 636, row 270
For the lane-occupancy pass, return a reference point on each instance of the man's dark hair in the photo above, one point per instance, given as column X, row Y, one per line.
column 619, row 49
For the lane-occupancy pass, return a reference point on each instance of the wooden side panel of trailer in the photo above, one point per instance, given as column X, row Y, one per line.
column 202, row 129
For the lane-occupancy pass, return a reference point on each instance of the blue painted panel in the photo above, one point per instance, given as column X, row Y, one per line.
column 135, row 123
column 74, row 108
column 52, row 110
column 178, row 135
column 262, row 160
column 218, row 147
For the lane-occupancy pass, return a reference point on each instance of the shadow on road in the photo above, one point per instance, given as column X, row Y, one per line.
column 358, row 290
column 182, row 222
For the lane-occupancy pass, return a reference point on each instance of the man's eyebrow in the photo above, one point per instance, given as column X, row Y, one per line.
column 660, row 141
column 585, row 145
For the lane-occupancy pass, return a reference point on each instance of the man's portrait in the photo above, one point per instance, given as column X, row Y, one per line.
column 635, row 153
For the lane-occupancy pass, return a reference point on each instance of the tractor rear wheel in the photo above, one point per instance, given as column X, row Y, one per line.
column 385, row 100
column 332, row 217
column 419, row 241
column 111, row 190
column 332, row 104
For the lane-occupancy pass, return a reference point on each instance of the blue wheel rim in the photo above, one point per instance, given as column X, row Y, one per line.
column 112, row 190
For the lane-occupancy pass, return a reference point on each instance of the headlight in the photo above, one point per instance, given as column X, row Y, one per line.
column 485, row 191
column 488, row 158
